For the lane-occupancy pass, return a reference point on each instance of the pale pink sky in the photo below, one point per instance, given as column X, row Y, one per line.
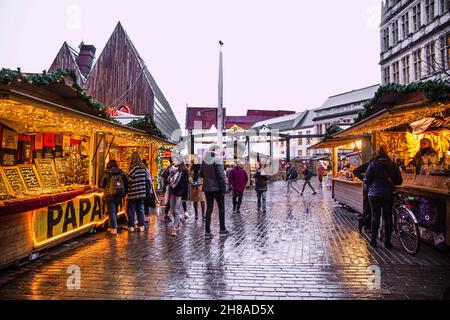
column 284, row 54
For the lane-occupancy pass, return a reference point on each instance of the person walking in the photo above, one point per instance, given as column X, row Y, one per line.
column 114, row 183
column 165, row 180
column 238, row 180
column 197, row 195
column 261, row 179
column 178, row 186
column 307, row 176
column 214, row 186
column 320, row 174
column 137, row 192
column 381, row 177
column 291, row 176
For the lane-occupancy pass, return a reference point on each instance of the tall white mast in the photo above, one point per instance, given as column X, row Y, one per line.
column 220, row 104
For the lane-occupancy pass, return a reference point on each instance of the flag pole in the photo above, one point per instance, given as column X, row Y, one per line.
column 220, row 102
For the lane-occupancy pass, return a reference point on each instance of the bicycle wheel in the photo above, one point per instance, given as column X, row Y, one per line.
column 407, row 230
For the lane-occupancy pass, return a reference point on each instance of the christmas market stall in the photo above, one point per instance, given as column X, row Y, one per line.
column 413, row 124
column 56, row 141
column 347, row 154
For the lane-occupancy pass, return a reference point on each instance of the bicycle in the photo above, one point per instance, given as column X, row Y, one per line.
column 405, row 226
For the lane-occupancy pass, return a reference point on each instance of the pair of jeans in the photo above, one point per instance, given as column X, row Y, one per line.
column 175, row 208
column 307, row 182
column 112, row 206
column 261, row 195
column 237, row 199
column 135, row 208
column 382, row 206
column 220, row 199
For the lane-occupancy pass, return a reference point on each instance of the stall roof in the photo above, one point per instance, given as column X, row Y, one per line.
column 55, row 108
column 335, row 142
column 394, row 117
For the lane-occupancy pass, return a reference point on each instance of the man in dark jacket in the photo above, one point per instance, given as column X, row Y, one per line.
column 365, row 220
column 308, row 175
column 214, row 187
column 261, row 179
column 381, row 178
column 291, row 176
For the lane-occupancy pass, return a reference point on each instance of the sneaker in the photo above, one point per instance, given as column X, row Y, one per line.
column 208, row 236
column 131, row 229
column 238, row 211
column 224, row 232
column 264, row 211
column 174, row 233
column 141, row 229
column 186, row 215
column 314, row 193
column 301, row 193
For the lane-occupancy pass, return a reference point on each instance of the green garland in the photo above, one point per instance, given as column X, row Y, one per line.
column 8, row 76
column 434, row 90
column 333, row 129
column 148, row 125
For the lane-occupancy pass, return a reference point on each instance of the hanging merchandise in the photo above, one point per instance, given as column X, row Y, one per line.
column 58, row 146
column 25, row 149
column 49, row 145
column 38, row 146
column 10, row 140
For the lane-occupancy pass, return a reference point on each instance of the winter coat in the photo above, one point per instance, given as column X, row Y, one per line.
column 181, row 187
column 291, row 173
column 238, row 179
column 106, row 180
column 307, row 173
column 260, row 181
column 212, row 172
column 137, row 183
column 381, row 177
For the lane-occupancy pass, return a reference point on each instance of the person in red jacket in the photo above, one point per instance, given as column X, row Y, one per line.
column 238, row 180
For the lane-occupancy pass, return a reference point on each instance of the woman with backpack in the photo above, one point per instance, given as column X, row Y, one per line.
column 137, row 192
column 380, row 179
column 178, row 187
column 114, row 182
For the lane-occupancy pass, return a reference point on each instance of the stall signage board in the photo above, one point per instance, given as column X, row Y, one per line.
column 59, row 220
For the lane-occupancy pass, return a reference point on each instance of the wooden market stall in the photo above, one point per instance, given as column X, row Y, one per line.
column 56, row 142
column 399, row 127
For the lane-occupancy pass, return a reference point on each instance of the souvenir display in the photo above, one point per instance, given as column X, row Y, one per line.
column 30, row 178
column 72, row 171
column 47, row 173
column 4, row 191
column 14, row 179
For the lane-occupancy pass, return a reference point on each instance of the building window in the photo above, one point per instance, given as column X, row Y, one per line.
column 300, row 153
column 442, row 6
column 387, row 75
column 308, row 140
column 396, row 72
column 395, row 32
column 386, row 38
column 429, row 10
column 319, row 129
column 300, row 140
column 308, row 152
column 406, row 70
column 405, row 25
column 448, row 49
column 417, row 64
column 430, row 50
column 417, row 21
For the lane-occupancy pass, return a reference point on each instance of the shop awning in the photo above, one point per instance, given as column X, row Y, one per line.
column 335, row 142
column 394, row 117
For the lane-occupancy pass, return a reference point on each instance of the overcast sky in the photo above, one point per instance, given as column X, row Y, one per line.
column 284, row 54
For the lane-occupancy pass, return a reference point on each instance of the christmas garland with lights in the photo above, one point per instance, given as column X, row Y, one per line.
column 8, row 76
column 434, row 90
column 148, row 125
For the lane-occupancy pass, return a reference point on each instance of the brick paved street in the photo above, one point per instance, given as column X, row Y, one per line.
column 303, row 248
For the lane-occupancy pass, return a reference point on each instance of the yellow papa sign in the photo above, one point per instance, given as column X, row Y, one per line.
column 61, row 219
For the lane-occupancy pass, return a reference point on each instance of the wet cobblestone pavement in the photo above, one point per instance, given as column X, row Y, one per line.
column 302, row 248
